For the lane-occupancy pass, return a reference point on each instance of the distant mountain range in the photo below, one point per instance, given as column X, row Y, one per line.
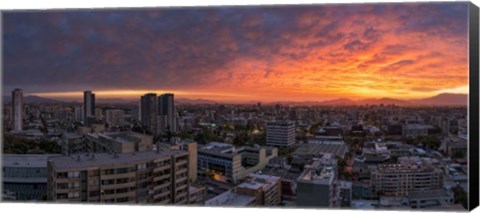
column 444, row 99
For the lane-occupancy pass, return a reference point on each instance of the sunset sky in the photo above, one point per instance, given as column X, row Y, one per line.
column 294, row 53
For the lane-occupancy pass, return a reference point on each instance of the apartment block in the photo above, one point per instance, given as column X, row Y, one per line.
column 399, row 179
column 140, row 177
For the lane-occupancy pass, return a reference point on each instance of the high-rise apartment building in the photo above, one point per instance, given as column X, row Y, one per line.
column 115, row 117
column 149, row 112
column 88, row 108
column 280, row 133
column 17, row 109
column 139, row 177
column 167, row 113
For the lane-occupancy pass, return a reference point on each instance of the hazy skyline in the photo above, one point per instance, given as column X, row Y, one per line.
column 294, row 53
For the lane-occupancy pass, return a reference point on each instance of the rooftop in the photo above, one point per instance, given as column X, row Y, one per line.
column 26, row 160
column 322, row 148
column 108, row 159
column 230, row 198
column 257, row 181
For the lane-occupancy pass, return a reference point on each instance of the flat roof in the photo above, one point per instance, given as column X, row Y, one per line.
column 230, row 198
column 108, row 159
column 26, row 160
column 257, row 181
column 317, row 149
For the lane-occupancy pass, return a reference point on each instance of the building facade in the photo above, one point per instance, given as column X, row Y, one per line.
column 88, row 108
column 280, row 133
column 149, row 112
column 17, row 109
column 25, row 176
column 399, row 179
column 142, row 177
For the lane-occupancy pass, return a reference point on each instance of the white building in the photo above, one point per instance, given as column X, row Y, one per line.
column 17, row 105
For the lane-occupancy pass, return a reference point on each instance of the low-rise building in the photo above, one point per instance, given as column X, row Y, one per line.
column 225, row 163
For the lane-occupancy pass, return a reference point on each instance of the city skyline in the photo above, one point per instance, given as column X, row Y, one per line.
column 403, row 51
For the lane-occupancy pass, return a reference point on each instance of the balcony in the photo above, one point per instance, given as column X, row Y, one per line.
column 118, row 176
column 118, row 186
column 161, row 168
column 163, row 177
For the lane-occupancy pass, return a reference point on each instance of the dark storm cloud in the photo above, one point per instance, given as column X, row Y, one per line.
column 183, row 47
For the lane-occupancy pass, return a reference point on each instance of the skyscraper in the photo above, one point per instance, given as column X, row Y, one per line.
column 17, row 109
column 88, row 107
column 149, row 112
column 166, row 111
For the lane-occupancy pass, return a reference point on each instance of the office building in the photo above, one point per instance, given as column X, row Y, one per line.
column 88, row 108
column 17, row 109
column 167, row 113
column 225, row 163
column 280, row 133
column 115, row 117
column 149, row 112
column 24, row 176
column 142, row 177
column 265, row 188
column 316, row 186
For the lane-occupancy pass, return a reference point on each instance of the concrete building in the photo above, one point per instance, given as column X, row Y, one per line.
column 316, row 185
column 17, row 109
column 149, row 112
column 88, row 108
column 167, row 112
column 25, row 176
column 140, row 177
column 197, row 194
column 280, row 133
column 192, row 148
column 118, row 142
column 115, row 117
column 78, row 114
column 265, row 188
column 73, row 143
column 98, row 114
column 225, row 163
column 399, row 179
column 7, row 116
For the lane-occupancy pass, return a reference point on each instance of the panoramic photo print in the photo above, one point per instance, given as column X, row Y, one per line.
column 335, row 106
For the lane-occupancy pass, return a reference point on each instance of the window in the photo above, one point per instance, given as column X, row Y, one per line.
column 73, row 194
column 73, row 174
column 141, row 166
